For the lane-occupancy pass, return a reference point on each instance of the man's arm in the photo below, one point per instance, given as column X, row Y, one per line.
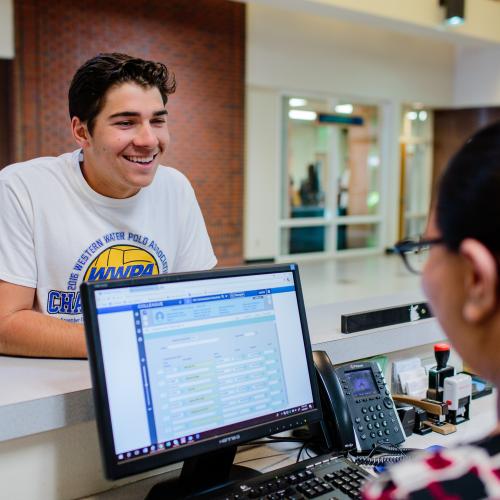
column 24, row 332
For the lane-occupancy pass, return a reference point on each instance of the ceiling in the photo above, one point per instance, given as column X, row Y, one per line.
column 418, row 17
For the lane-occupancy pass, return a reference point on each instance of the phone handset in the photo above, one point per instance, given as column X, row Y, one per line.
column 337, row 425
column 358, row 410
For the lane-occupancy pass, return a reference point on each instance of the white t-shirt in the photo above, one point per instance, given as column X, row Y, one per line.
column 55, row 231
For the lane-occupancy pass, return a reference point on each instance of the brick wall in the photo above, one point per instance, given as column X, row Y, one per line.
column 202, row 41
column 6, row 127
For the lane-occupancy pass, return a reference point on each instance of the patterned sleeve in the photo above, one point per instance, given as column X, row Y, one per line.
column 381, row 487
column 463, row 472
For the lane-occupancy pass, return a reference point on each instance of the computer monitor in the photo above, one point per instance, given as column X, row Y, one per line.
column 186, row 367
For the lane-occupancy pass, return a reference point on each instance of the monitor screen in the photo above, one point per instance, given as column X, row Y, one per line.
column 183, row 364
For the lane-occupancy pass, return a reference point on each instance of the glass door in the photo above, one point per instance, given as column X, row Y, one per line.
column 331, row 163
column 306, row 176
column 416, row 170
column 358, row 195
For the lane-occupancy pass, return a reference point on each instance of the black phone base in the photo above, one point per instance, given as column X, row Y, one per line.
column 202, row 474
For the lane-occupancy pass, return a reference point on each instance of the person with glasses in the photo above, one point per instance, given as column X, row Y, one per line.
column 458, row 258
column 415, row 252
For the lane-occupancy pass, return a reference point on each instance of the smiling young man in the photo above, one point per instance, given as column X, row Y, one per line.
column 107, row 210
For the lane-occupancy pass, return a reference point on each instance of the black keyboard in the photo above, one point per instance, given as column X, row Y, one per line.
column 322, row 477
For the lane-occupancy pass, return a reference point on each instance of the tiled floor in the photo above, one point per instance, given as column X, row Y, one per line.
column 352, row 278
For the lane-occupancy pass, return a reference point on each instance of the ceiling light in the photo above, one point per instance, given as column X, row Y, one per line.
column 345, row 109
column 422, row 116
column 455, row 10
column 412, row 115
column 295, row 102
column 301, row 114
column 455, row 21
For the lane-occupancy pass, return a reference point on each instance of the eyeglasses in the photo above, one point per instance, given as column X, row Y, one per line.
column 415, row 252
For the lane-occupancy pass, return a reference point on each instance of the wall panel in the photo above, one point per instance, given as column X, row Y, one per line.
column 452, row 127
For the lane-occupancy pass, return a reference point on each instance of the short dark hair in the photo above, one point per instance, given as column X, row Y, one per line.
column 468, row 198
column 94, row 78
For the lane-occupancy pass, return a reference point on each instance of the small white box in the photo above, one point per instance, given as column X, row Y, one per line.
column 456, row 388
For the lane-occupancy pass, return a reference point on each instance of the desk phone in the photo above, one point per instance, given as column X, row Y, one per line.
column 358, row 409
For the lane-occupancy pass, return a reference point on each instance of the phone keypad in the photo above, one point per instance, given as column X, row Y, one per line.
column 376, row 423
column 375, row 413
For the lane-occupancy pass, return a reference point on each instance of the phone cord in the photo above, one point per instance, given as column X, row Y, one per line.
column 388, row 459
column 392, row 448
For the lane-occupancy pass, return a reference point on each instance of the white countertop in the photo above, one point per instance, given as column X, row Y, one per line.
column 39, row 395
column 26, row 379
column 324, row 329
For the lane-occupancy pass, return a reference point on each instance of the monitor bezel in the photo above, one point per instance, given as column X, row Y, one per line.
column 112, row 469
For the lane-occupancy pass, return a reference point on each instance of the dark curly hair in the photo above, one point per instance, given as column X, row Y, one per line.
column 93, row 79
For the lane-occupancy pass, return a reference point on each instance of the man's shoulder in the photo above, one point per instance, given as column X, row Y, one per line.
column 169, row 176
column 30, row 168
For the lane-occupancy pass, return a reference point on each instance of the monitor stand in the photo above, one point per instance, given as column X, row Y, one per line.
column 202, row 474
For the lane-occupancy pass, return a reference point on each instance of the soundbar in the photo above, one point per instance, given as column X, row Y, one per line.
column 377, row 318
